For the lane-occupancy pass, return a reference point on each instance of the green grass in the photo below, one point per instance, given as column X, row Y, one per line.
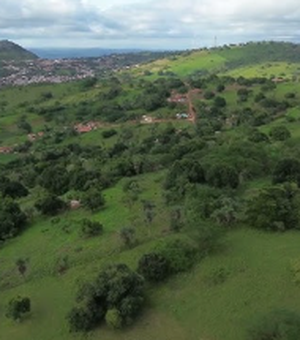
column 190, row 306
column 267, row 70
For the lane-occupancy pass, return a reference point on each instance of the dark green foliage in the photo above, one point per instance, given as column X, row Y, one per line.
column 12, row 219
column 181, row 174
column 257, row 137
column 277, row 325
column 109, row 133
column 93, row 199
column 179, row 252
column 24, row 125
column 12, row 189
column 287, row 170
column 220, row 102
column 18, row 307
column 222, row 175
column 220, row 88
column 50, row 205
column 280, row 133
column 80, row 320
column 91, row 228
column 55, row 179
column 290, row 95
column 209, row 95
column 275, row 208
column 117, row 296
column 154, row 267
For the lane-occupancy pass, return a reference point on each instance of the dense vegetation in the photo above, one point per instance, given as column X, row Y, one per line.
column 139, row 215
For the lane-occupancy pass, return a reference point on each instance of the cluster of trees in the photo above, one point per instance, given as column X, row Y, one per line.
column 116, row 297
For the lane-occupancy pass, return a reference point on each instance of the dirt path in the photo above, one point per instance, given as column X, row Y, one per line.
column 191, row 109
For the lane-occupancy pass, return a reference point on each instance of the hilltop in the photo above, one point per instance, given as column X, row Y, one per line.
column 263, row 58
column 11, row 51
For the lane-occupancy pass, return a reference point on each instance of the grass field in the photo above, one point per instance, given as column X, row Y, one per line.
column 215, row 301
column 267, row 70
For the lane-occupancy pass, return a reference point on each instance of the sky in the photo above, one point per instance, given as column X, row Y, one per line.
column 147, row 24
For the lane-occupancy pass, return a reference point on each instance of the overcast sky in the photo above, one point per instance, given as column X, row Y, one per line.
column 152, row 24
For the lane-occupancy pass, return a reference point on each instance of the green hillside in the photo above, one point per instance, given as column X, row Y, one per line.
column 12, row 51
column 190, row 182
column 252, row 59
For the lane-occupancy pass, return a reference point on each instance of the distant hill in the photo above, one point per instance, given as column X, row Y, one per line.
column 61, row 53
column 225, row 59
column 12, row 51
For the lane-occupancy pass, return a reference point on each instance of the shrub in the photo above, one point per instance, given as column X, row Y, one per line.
column 278, row 325
column 113, row 319
column 287, row 170
column 18, row 307
column 109, row 133
column 80, row 320
column 93, row 199
column 91, row 228
column 154, row 267
column 280, row 133
column 180, row 252
column 50, row 205
column 127, row 236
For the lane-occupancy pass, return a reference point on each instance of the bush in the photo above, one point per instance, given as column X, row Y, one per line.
column 109, row 133
column 280, row 133
column 50, row 205
column 278, row 325
column 287, row 170
column 127, row 236
column 93, row 199
column 275, row 208
column 154, row 267
column 113, row 319
column 80, row 320
column 179, row 252
column 17, row 307
column 91, row 228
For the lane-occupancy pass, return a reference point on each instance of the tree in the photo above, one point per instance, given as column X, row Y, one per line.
column 55, row 179
column 50, row 205
column 275, row 208
column 93, row 199
column 12, row 219
column 222, row 175
column 116, row 295
column 154, row 267
column 18, row 307
column 287, row 170
column 280, row 133
column 14, row 189
column 220, row 102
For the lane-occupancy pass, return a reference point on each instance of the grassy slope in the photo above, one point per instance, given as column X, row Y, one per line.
column 189, row 306
column 262, row 60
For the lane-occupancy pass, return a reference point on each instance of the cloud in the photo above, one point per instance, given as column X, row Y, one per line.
column 152, row 23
